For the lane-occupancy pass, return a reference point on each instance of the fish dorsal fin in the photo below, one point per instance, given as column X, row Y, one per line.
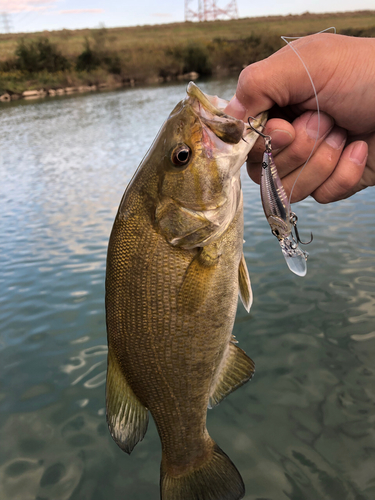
column 127, row 418
column 237, row 368
column 245, row 291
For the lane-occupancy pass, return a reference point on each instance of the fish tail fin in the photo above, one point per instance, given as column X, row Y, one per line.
column 215, row 479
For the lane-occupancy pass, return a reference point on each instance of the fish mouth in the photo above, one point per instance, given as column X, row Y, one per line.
column 227, row 128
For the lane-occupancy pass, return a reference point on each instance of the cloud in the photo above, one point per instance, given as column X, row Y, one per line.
column 81, row 11
column 14, row 6
column 161, row 14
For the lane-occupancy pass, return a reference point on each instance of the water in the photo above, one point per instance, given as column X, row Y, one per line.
column 302, row 429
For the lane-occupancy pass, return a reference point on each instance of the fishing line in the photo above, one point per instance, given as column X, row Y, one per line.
column 285, row 39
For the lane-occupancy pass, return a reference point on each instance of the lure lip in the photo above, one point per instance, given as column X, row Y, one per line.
column 294, row 256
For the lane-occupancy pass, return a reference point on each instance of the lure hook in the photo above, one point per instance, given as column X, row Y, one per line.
column 267, row 138
column 293, row 220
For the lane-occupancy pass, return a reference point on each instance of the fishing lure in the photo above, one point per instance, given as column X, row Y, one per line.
column 278, row 212
column 275, row 202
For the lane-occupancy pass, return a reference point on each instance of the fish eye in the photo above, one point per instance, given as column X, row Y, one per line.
column 181, row 155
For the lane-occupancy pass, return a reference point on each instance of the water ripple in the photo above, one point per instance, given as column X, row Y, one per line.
column 302, row 429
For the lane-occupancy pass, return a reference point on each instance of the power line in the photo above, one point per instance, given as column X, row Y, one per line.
column 22, row 15
column 27, row 19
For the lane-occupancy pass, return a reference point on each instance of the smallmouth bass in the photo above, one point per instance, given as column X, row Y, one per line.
column 175, row 267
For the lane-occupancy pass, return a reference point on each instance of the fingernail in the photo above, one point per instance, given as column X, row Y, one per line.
column 336, row 138
column 235, row 109
column 280, row 138
column 359, row 152
column 326, row 123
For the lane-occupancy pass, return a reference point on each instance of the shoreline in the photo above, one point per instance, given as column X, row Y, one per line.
column 83, row 89
column 38, row 65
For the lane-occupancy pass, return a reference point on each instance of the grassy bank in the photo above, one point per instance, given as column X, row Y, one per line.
column 142, row 54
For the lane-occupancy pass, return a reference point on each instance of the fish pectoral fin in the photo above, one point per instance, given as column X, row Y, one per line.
column 198, row 278
column 127, row 418
column 236, row 370
column 210, row 255
column 245, row 291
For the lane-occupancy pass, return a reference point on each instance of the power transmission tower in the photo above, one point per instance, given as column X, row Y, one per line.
column 208, row 10
column 191, row 15
column 6, row 22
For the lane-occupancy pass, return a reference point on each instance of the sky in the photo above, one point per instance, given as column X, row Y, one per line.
column 40, row 15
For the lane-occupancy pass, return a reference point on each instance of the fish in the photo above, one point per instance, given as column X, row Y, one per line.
column 175, row 268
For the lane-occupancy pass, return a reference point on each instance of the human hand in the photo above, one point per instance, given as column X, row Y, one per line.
column 343, row 161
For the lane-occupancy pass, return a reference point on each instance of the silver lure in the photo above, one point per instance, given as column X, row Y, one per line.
column 279, row 214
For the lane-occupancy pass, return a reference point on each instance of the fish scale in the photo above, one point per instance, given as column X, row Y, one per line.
column 174, row 269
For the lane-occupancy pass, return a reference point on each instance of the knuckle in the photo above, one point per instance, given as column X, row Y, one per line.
column 321, row 196
column 343, row 183
column 251, row 73
column 252, row 77
column 297, row 155
column 326, row 163
column 335, row 188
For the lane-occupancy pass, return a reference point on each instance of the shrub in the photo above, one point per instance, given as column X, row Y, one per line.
column 39, row 55
column 92, row 58
column 8, row 65
column 113, row 63
column 88, row 59
column 191, row 57
column 234, row 54
column 195, row 57
column 364, row 32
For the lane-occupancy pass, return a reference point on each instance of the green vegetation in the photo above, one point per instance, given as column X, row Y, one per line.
column 39, row 55
column 146, row 54
column 185, row 58
column 98, row 54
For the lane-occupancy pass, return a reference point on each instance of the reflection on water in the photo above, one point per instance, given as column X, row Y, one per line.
column 82, row 363
column 303, row 429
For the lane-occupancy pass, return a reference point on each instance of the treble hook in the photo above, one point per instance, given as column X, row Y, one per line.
column 267, row 138
column 293, row 220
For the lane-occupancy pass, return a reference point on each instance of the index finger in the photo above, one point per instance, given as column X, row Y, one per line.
column 281, row 79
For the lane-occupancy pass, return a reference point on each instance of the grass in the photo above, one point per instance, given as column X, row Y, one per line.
column 148, row 53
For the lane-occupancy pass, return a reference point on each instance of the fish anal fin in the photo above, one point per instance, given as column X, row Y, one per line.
column 127, row 418
column 236, row 369
column 245, row 291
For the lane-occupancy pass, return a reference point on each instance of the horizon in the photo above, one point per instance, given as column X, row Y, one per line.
column 28, row 16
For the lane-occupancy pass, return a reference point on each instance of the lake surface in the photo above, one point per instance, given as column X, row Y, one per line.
column 302, row 429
